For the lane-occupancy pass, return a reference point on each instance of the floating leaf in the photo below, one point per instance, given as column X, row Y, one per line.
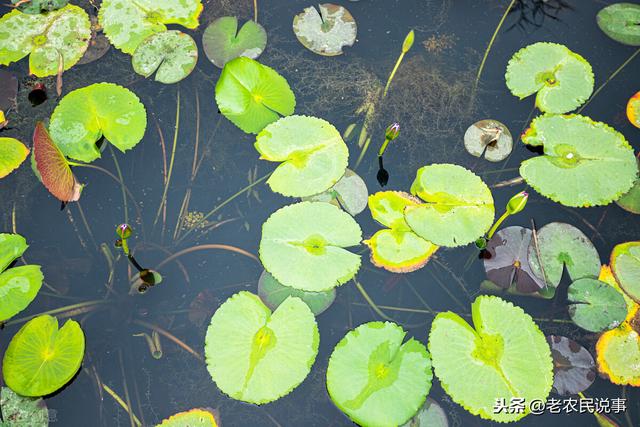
column 8, row 91
column 630, row 202
column 563, row 79
column 398, row 248
column 326, row 32
column 38, row 6
column 625, row 263
column 595, row 306
column 12, row 154
column 563, row 245
column 102, row 109
column 50, row 38
column 458, row 206
column 12, row 246
column 313, row 155
column 53, row 168
column 633, row 108
column 574, row 368
column 172, row 55
column 302, row 246
column 191, row 418
column 258, row 356
column 621, row 22
column 375, row 378
column 20, row 411
column 222, row 41
column 253, row 95
column 99, row 44
column 127, row 23
column 508, row 263
column 585, row 163
column 41, row 358
column 488, row 137
column 431, row 415
column 350, row 193
column 274, row 293
column 505, row 356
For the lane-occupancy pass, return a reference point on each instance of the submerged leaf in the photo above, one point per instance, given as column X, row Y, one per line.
column 630, row 202
column 274, row 293
column 326, row 32
column 172, row 55
column 253, row 95
column 350, row 193
column 633, row 109
column 585, row 163
column 102, row 109
column 192, row 418
column 303, row 246
column 488, row 137
column 505, row 356
column 574, row 368
column 621, row 22
column 51, row 39
column 431, row 415
column 375, row 378
column 625, row 263
column 258, row 356
column 41, row 358
column 562, row 79
column 595, row 306
column 313, row 155
column 20, row 411
column 53, row 168
column 458, row 206
column 12, row 154
column 222, row 41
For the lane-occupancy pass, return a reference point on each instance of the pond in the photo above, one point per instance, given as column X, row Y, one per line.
column 207, row 212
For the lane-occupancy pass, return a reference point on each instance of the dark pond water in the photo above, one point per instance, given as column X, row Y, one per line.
column 430, row 98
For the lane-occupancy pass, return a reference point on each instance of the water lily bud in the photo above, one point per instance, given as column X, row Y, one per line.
column 517, row 203
column 124, row 231
column 408, row 41
column 392, row 131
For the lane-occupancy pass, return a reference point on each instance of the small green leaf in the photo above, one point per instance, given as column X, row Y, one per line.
column 489, row 138
column 20, row 411
column 39, row 6
column 595, row 306
column 222, row 41
column 625, row 263
column 172, row 55
column 191, row 418
column 12, row 154
column 18, row 287
column 633, row 110
column 325, row 32
column 621, row 22
column 350, row 193
column 12, row 246
column 274, row 293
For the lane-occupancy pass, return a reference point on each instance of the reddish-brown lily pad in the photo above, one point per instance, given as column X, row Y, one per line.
column 574, row 369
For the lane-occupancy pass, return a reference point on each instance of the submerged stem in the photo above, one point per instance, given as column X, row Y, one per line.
column 255, row 11
column 392, row 75
column 121, row 402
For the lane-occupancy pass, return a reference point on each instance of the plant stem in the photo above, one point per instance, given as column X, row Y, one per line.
column 255, row 11
column 497, row 224
column 206, row 247
column 373, row 305
column 124, row 195
column 383, row 147
column 85, row 304
column 120, row 402
column 392, row 75
column 170, row 336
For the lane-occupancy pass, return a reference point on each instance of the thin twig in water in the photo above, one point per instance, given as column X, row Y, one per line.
column 255, row 11
column 135, row 422
column 207, row 247
column 536, row 245
column 170, row 336
column 121, row 402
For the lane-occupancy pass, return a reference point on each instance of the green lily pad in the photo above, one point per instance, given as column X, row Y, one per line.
column 633, row 110
column 274, row 293
column 127, row 23
column 350, row 193
column 222, row 41
column 375, row 378
column 574, row 368
column 488, row 137
column 102, row 109
column 258, row 356
column 12, row 154
column 41, row 358
column 325, row 32
column 172, row 55
column 506, row 356
column 302, row 246
column 585, row 163
column 625, row 263
column 313, row 155
column 595, row 306
column 458, row 206
column 562, row 79
column 398, row 248
column 630, row 202
column 431, row 415
column 192, row 418
column 49, row 38
column 253, row 95
column 20, row 411
column 621, row 22
column 39, row 6
column 12, row 246
column 563, row 245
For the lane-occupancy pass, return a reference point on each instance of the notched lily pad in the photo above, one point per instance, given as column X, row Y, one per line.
column 172, row 55
column 325, row 32
column 192, row 418
column 625, row 263
column 488, row 137
column 574, row 369
column 621, row 22
column 595, row 306
column 274, row 293
column 222, row 41
column 585, row 163
column 21, row 411
column 12, row 154
column 630, row 202
column 633, row 110
column 350, row 193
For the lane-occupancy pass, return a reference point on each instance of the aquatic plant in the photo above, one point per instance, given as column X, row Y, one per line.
column 458, row 205
column 625, row 264
column 128, row 23
column 313, row 155
column 38, row 6
column 21, row 410
column 303, row 246
column 562, row 79
column 326, row 32
column 54, row 41
column 585, row 163
column 172, row 55
column 41, row 358
column 488, row 138
column 87, row 114
column 258, row 356
column 192, row 418
column 504, row 352
column 406, row 46
column 19, row 285
column 253, row 95
column 273, row 293
column 621, row 22
column 376, row 378
column 12, row 154
column 350, row 193
column 515, row 205
column 145, row 277
column 396, row 248
column 431, row 414
column 574, row 369
column 595, row 306
column 633, row 110
column 222, row 41
column 630, row 202
column 390, row 134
